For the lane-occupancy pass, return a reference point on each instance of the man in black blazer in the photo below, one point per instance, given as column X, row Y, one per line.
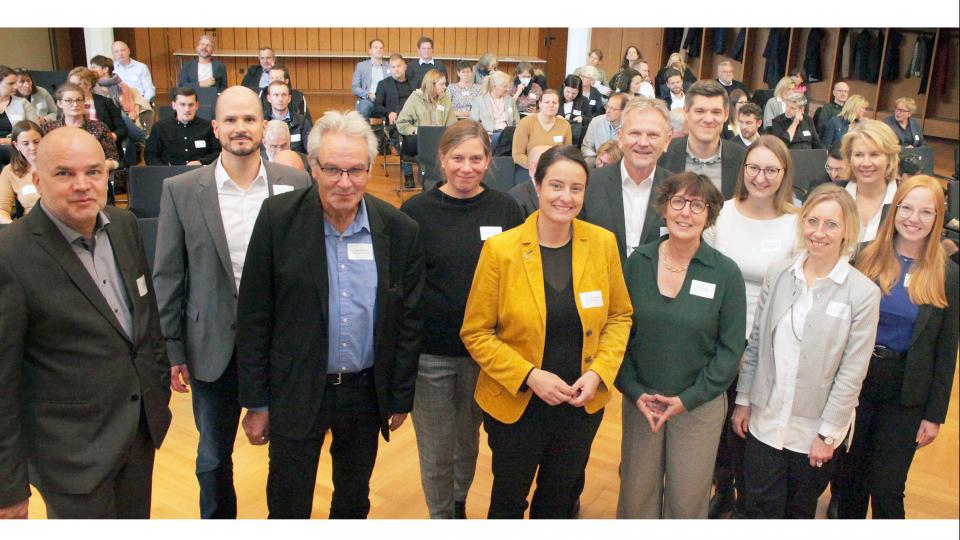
column 620, row 196
column 83, row 373
column 257, row 76
column 419, row 67
column 703, row 151
column 215, row 72
column 329, row 324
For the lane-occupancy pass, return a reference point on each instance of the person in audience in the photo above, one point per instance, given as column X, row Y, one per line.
column 646, row 85
column 603, row 128
column 486, row 65
column 527, row 193
column 276, row 138
column 834, row 165
column 525, row 91
column 906, row 392
column 795, row 128
column 97, row 107
column 683, row 354
column 676, row 98
column 12, row 110
column 809, row 349
column 493, row 107
column 197, row 299
column 872, row 156
column 366, row 266
column 204, row 72
column 678, row 124
column 545, row 378
column 131, row 104
column 367, row 76
column 542, row 128
column 627, row 82
column 749, row 119
column 38, row 96
column 703, row 151
column 16, row 179
column 910, row 166
column 907, row 128
column 185, row 139
column 278, row 94
column 628, row 65
column 631, row 55
column 257, row 76
column 594, row 59
column 83, row 388
column 608, row 153
column 851, row 114
column 392, row 94
column 841, row 91
column 677, row 62
column 756, row 229
column 134, row 73
column 738, row 98
column 455, row 219
column 725, row 78
column 778, row 104
column 799, row 77
column 418, row 68
column 574, row 107
column 298, row 102
column 290, row 159
column 464, row 91
column 428, row 106
column 620, row 196
column 588, row 76
column 70, row 100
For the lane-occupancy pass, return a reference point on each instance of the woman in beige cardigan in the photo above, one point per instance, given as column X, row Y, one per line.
column 494, row 108
column 16, row 179
column 543, row 128
column 428, row 106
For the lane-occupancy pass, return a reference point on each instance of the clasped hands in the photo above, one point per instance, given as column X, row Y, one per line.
column 554, row 391
column 657, row 409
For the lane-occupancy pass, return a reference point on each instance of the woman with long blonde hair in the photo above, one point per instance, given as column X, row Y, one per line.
column 851, row 113
column 871, row 156
column 907, row 389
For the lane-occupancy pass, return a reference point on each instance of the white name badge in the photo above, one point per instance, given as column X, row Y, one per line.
column 28, row 189
column 294, row 137
column 576, row 112
column 199, row 144
column 532, row 96
column 838, row 310
column 770, row 245
column 729, row 127
column 558, row 138
column 906, row 280
column 142, row 285
column 280, row 188
column 510, row 110
column 440, row 108
column 916, row 137
column 593, row 102
column 664, row 231
column 360, row 252
column 806, row 133
column 702, row 288
column 591, row 299
column 487, row 232
column 466, row 92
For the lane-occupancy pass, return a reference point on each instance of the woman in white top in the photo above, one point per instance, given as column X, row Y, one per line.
column 812, row 337
column 755, row 228
column 871, row 152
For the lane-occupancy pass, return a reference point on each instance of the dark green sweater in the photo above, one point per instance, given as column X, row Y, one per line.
column 689, row 346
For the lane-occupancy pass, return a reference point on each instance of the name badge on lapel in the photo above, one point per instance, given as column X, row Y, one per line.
column 838, row 310
column 487, row 232
column 806, row 133
column 281, row 188
column 702, row 289
column 295, row 137
column 591, row 299
column 664, row 231
column 142, row 286
column 200, row 144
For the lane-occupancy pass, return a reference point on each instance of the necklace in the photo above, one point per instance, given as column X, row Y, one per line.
column 666, row 263
column 792, row 328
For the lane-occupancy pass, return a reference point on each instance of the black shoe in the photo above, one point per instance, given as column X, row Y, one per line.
column 575, row 510
column 459, row 509
column 721, row 504
column 832, row 509
column 408, row 182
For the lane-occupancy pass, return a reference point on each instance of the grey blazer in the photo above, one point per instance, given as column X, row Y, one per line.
column 188, row 75
column 835, row 358
column 675, row 159
column 525, row 193
column 481, row 110
column 362, row 77
column 192, row 271
column 20, row 109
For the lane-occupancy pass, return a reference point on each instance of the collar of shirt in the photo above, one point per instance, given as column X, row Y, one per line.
column 424, row 62
column 185, row 124
column 627, row 181
column 286, row 118
column 360, row 222
column 710, row 160
column 68, row 232
column 887, row 197
column 745, row 141
column 221, row 176
column 838, row 274
column 725, row 85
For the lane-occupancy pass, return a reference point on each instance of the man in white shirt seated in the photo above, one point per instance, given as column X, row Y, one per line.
column 135, row 74
column 367, row 76
column 603, row 128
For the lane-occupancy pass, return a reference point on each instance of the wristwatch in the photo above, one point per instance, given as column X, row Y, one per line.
column 826, row 439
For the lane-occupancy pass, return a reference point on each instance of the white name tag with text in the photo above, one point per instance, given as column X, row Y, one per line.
column 28, row 189
column 466, row 92
column 532, row 96
column 806, row 133
column 770, row 245
column 702, row 288
column 280, row 188
column 558, row 138
column 591, row 299
column 441, row 108
column 142, row 285
column 838, row 310
column 664, row 231
column 360, row 252
column 576, row 112
column 487, row 232
column 199, row 144
column 593, row 102
column 294, row 137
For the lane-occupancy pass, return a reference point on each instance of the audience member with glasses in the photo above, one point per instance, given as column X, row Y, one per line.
column 12, row 110
column 70, row 99
column 494, row 108
column 794, row 127
column 809, row 348
column 603, row 129
column 907, row 388
column 872, row 155
column 755, row 228
column 908, row 129
column 688, row 326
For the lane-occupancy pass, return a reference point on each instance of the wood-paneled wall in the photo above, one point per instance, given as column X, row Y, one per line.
column 155, row 47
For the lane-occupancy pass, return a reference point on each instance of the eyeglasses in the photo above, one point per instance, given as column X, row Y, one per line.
column 813, row 224
column 905, row 211
column 78, row 101
column 770, row 172
column 832, row 170
column 899, row 110
column 355, row 173
column 697, row 206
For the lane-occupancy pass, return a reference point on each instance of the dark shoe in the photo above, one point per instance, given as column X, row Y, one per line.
column 408, row 182
column 575, row 510
column 459, row 509
column 832, row 509
column 720, row 504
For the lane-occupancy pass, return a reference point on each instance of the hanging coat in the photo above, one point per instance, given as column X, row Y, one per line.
column 812, row 61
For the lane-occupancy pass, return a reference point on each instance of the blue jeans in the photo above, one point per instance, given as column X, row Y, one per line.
column 365, row 107
column 216, row 411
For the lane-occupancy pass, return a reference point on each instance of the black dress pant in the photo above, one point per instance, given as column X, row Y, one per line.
column 349, row 411
column 410, row 145
column 884, row 442
column 781, row 484
column 728, row 471
column 551, row 443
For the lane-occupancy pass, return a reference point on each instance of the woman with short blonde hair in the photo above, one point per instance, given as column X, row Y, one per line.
column 871, row 156
column 777, row 105
column 907, row 128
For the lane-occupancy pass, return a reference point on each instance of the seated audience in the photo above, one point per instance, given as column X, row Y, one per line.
column 278, row 94
column 608, row 153
column 367, row 76
column 725, row 78
column 16, row 179
column 748, row 124
column 185, row 139
column 12, row 110
column 778, row 104
column 835, row 165
column 646, row 87
column 97, row 107
column 418, row 68
column 428, row 106
column 841, row 90
column 38, row 96
column 494, row 108
column 677, row 62
column 297, row 101
column 134, row 73
column 678, row 124
column 799, row 77
column 204, row 72
column 593, row 60
column 603, row 128
column 462, row 93
column 910, row 166
column 542, row 128
column 676, row 96
column 486, row 65
column 738, row 98
column 257, row 76
column 392, row 94
column 589, row 76
column 276, row 138
column 70, row 99
column 135, row 110
column 526, row 192
column 851, row 114
column 908, row 129
column 524, row 90
column 795, row 128
column 627, row 82
column 574, row 107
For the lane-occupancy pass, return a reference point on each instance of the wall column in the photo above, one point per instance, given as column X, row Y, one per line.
column 578, row 46
column 98, row 41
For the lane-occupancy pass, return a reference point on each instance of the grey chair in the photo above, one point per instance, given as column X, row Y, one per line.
column 808, row 169
column 148, row 233
column 428, row 145
column 924, row 153
column 500, row 174
column 145, row 185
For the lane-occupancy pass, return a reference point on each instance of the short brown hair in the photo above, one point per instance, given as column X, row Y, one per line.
column 84, row 74
column 751, row 109
column 693, row 185
column 463, row 131
column 708, row 88
column 783, row 198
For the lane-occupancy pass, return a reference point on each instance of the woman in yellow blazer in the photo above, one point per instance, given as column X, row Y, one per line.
column 547, row 320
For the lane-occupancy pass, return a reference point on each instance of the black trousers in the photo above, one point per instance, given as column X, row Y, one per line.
column 549, row 443
column 884, row 443
column 781, row 484
column 728, row 471
column 349, row 411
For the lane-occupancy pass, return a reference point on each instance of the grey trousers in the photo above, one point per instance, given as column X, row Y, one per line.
column 446, row 420
column 668, row 474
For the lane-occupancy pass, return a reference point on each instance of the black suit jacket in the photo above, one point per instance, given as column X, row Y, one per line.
column 110, row 114
column 251, row 79
column 283, row 320
column 72, row 384
column 415, row 71
column 603, row 205
column 526, row 196
column 675, row 159
column 188, row 75
column 804, row 138
column 298, row 104
column 387, row 99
